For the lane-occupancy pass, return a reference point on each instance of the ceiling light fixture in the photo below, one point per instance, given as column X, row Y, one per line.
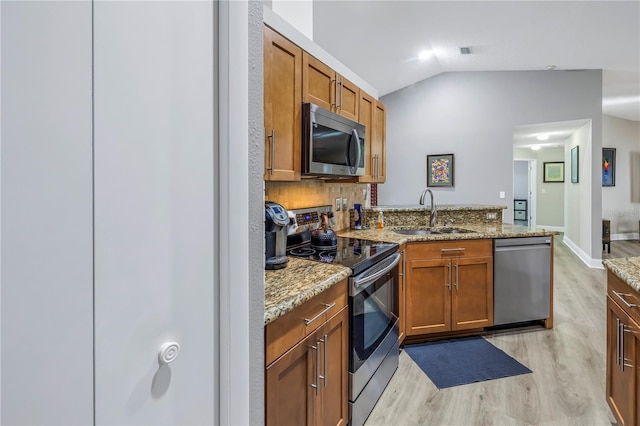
column 551, row 67
column 535, row 147
column 542, row 137
column 424, row 55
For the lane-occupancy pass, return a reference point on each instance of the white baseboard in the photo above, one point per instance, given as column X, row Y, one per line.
column 582, row 255
column 622, row 237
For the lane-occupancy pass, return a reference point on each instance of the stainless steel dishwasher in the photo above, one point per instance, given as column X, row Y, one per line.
column 521, row 279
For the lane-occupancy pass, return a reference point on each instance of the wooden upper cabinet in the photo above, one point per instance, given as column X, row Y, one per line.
column 324, row 87
column 282, row 107
column 372, row 114
column 379, row 141
column 318, row 82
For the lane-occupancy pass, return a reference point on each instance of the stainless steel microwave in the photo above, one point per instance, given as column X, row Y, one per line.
column 332, row 145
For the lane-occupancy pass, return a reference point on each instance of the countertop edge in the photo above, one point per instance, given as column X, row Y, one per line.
column 620, row 268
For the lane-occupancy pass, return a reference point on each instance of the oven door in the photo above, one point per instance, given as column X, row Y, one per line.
column 373, row 305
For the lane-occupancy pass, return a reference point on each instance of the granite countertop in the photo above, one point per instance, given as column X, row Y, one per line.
column 627, row 269
column 481, row 231
column 440, row 207
column 290, row 287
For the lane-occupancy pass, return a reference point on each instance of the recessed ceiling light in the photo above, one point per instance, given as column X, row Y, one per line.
column 535, row 147
column 551, row 67
column 424, row 55
column 542, row 137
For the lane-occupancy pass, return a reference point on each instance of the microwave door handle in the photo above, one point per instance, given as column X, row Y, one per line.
column 355, row 138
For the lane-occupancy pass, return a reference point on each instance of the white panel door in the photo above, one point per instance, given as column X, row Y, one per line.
column 154, row 211
column 47, row 266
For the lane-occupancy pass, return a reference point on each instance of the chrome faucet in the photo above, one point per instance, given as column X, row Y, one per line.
column 434, row 212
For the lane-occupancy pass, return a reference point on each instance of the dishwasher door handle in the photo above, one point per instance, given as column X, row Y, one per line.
column 522, row 248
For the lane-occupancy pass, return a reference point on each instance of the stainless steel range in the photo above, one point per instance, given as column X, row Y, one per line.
column 373, row 305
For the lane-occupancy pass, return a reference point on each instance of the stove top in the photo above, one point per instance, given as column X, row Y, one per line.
column 354, row 253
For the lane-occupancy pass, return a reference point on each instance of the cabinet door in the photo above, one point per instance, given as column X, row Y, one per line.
column 620, row 350
column 472, row 293
column 318, row 83
column 365, row 116
column 282, row 107
column 428, row 296
column 378, row 141
column 333, row 337
column 291, row 399
column 348, row 98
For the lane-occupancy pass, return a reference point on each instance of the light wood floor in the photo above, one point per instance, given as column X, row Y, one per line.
column 567, row 386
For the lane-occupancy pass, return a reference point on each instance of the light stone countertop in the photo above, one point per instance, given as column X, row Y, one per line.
column 288, row 288
column 480, row 231
column 627, row 269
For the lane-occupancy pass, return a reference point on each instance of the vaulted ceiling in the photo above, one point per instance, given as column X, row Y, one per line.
column 381, row 41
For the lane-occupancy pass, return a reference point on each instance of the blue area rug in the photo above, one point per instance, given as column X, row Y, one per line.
column 462, row 361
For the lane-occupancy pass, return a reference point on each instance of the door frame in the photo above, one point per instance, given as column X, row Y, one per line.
column 532, row 176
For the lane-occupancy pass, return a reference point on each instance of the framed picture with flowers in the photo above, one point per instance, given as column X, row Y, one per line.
column 440, row 170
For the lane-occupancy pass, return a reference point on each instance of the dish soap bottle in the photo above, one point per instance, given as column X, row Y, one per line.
column 380, row 220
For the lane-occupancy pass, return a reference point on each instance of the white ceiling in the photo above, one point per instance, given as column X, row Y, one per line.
column 380, row 40
column 559, row 132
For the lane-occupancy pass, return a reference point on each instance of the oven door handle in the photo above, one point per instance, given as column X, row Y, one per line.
column 366, row 277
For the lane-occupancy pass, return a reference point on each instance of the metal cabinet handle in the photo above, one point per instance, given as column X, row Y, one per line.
column 326, row 372
column 315, row 385
column 449, row 283
column 456, row 276
column 335, row 93
column 273, row 149
column 341, row 86
column 377, row 166
column 621, row 297
column 618, row 342
column 324, row 311
column 626, row 362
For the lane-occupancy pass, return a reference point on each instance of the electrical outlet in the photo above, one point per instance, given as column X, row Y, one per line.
column 492, row 215
column 344, row 204
column 337, row 204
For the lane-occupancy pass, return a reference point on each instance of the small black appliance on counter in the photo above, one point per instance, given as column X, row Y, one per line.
column 276, row 220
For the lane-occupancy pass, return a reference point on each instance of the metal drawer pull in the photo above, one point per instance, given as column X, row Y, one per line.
column 621, row 297
column 324, row 378
column 324, row 311
column 315, row 385
column 443, row 251
column 449, row 283
column 456, row 276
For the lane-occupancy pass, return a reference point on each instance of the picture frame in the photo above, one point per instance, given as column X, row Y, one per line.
column 575, row 166
column 608, row 167
column 553, row 172
column 440, row 170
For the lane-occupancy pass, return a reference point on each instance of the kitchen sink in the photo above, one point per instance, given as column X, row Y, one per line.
column 453, row 231
column 415, row 231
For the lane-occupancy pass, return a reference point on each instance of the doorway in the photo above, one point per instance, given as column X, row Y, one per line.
column 524, row 192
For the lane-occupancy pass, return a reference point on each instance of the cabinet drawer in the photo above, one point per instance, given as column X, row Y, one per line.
column 283, row 333
column 520, row 215
column 626, row 293
column 445, row 249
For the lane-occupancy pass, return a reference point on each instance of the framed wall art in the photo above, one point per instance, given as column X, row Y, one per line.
column 440, row 170
column 553, row 172
column 608, row 167
column 575, row 155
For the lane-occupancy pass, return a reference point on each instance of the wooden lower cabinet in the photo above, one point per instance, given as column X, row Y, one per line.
column 623, row 353
column 308, row 384
column 447, row 290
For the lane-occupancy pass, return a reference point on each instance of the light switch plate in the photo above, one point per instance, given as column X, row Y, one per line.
column 337, row 204
column 502, row 194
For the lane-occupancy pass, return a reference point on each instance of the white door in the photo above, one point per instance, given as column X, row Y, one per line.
column 154, row 212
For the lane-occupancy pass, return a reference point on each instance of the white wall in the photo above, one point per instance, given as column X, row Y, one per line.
column 618, row 203
column 472, row 115
column 550, row 195
column 46, row 189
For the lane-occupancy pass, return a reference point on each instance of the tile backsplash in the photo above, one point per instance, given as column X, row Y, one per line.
column 311, row 193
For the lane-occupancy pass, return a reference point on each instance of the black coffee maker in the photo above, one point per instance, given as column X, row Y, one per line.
column 276, row 220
